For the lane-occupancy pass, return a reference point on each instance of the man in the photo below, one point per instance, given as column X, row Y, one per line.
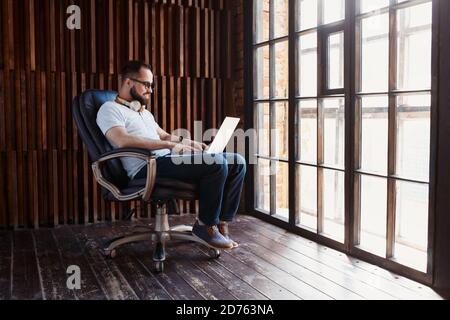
column 127, row 124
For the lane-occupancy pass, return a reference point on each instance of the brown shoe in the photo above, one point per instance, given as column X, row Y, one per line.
column 223, row 229
column 211, row 237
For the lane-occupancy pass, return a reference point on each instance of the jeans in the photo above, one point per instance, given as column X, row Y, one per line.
column 220, row 178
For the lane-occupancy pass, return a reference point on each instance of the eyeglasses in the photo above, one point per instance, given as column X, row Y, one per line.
column 146, row 84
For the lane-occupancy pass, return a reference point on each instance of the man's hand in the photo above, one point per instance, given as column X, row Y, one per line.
column 182, row 149
column 197, row 146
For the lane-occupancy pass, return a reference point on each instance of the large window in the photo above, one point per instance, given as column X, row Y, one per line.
column 360, row 109
column 271, row 91
column 392, row 129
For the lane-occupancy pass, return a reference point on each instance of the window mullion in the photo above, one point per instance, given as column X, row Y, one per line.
column 352, row 127
column 293, row 214
column 392, row 132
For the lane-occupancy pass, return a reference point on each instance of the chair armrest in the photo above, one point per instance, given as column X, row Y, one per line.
column 142, row 154
column 140, row 151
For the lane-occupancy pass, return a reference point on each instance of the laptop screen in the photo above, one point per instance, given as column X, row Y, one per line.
column 224, row 135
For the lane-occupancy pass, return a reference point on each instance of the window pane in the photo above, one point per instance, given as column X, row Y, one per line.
column 281, row 18
column 281, row 69
column 261, row 21
column 282, row 189
column 371, row 5
column 281, row 130
column 373, row 215
column 261, row 73
column 333, row 10
column 375, row 47
column 411, row 236
column 307, row 196
column 262, row 120
column 374, row 134
column 307, row 131
column 306, row 14
column 335, row 67
column 333, row 204
column 307, row 63
column 413, row 136
column 334, row 131
column 414, row 47
column 262, row 185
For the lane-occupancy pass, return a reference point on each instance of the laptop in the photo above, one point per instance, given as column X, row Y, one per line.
column 224, row 135
column 222, row 138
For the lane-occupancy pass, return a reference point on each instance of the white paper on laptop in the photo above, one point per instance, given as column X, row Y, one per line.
column 224, row 135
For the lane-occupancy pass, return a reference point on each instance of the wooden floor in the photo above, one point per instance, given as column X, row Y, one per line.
column 269, row 264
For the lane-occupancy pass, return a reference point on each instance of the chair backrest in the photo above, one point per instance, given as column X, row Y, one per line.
column 84, row 110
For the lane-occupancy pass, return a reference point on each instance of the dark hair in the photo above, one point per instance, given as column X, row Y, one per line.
column 131, row 69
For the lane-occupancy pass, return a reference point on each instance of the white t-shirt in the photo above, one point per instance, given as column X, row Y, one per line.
column 113, row 114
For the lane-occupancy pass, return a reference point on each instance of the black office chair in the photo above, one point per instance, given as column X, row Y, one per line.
column 116, row 186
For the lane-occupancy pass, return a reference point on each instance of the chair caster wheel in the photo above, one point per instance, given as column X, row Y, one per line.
column 159, row 266
column 110, row 253
column 214, row 253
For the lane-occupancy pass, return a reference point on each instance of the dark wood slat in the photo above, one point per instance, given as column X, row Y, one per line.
column 3, row 198
column 11, row 186
column 60, row 9
column 5, row 264
column 34, row 190
column 111, row 52
column 93, row 36
column 26, row 282
column 65, row 193
column 51, row 34
column 147, row 38
column 136, row 30
column 41, row 174
column 55, row 212
column 206, row 42
column 8, row 34
column 2, row 113
column 173, row 115
column 197, row 32
column 162, row 39
column 86, row 188
column 7, row 109
column 30, row 37
column 20, row 189
column 170, row 40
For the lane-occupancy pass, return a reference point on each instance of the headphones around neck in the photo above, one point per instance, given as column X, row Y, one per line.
column 133, row 105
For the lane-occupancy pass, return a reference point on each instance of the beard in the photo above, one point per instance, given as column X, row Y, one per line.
column 136, row 96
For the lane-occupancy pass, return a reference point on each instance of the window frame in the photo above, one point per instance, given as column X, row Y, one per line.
column 351, row 57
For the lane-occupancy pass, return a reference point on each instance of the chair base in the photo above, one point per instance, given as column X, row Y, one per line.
column 160, row 235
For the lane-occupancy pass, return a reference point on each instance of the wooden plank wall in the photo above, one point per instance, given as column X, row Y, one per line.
column 45, row 179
